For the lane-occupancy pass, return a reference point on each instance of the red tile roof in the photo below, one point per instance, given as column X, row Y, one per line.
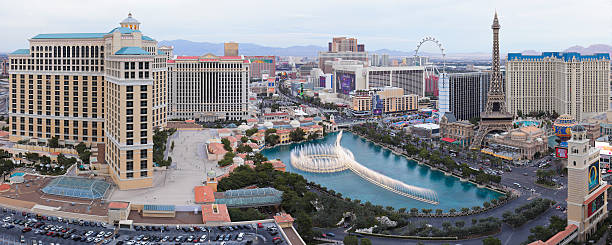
column 118, row 205
column 277, row 163
column 204, row 194
column 187, row 57
column 562, row 234
column 283, row 218
column 216, row 148
column 215, row 213
column 276, row 114
column 557, row 238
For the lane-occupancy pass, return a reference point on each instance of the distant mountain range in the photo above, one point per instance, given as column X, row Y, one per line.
column 185, row 47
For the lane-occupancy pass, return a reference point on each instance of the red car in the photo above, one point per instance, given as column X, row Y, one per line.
column 26, row 229
column 50, row 233
column 259, row 225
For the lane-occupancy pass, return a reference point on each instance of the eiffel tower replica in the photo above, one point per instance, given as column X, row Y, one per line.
column 496, row 116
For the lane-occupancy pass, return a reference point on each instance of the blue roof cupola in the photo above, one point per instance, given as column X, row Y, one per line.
column 130, row 22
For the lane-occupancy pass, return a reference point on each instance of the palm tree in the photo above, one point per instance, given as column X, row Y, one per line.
column 452, row 211
column 465, row 210
column 438, row 211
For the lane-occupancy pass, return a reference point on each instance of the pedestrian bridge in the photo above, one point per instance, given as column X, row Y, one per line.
column 335, row 158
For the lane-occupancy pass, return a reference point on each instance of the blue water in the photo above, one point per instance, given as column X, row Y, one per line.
column 18, row 174
column 452, row 193
column 527, row 123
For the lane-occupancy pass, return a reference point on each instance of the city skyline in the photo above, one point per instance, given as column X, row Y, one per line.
column 528, row 26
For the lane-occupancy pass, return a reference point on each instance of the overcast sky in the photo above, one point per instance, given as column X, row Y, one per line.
column 462, row 26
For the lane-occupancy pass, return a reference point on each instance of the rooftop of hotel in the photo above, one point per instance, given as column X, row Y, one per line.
column 132, row 51
column 566, row 56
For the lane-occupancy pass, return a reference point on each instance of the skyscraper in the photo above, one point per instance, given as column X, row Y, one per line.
column 468, row 94
column 342, row 48
column 94, row 88
column 208, row 88
column 230, row 49
column 566, row 83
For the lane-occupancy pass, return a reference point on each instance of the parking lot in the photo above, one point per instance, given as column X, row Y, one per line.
column 28, row 228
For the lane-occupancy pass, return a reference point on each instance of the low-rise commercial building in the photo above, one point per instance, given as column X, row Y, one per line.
column 383, row 100
column 524, row 142
column 454, row 130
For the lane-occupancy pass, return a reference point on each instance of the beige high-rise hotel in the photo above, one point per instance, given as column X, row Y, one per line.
column 568, row 83
column 105, row 87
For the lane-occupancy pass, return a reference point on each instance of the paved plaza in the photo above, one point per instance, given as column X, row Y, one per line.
column 189, row 167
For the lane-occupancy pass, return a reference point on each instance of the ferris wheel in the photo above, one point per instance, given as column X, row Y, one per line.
column 432, row 68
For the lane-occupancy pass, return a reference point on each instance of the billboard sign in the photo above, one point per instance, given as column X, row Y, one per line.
column 347, row 83
column 596, row 204
column 593, row 177
column 322, row 81
column 561, row 152
column 377, row 105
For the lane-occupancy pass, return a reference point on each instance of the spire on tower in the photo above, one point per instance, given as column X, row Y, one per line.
column 495, row 22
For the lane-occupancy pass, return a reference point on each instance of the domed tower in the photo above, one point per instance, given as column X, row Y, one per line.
column 586, row 195
column 211, row 180
column 130, row 22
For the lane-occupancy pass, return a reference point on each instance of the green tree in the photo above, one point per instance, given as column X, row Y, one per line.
column 250, row 132
column 475, row 121
column 244, row 139
column 272, row 139
column 245, row 214
column 452, row 211
column 402, row 210
column 459, row 223
column 244, row 148
column 491, row 241
column 366, row 241
column 53, row 142
column 486, row 204
column 351, row 240
column 297, row 135
column 80, row 147
column 226, row 144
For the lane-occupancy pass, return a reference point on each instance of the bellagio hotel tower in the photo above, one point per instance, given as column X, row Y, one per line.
column 107, row 87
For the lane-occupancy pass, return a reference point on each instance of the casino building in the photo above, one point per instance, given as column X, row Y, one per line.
column 568, row 83
column 208, row 87
column 107, row 87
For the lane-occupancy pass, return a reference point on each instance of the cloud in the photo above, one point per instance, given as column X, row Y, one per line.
column 462, row 26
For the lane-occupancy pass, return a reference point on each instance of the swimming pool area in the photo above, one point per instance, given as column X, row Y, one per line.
column 451, row 192
column 527, row 123
column 17, row 174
